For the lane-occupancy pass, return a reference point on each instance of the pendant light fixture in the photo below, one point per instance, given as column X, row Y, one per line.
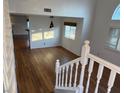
column 51, row 23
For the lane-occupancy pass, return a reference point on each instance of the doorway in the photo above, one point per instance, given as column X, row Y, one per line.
column 20, row 32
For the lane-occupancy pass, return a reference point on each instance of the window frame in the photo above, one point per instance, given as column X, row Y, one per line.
column 108, row 44
column 115, row 24
column 70, row 24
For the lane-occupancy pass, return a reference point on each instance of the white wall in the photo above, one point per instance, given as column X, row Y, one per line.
column 19, row 24
column 71, row 8
column 65, row 8
column 73, row 45
column 43, row 22
column 102, row 23
column 96, row 18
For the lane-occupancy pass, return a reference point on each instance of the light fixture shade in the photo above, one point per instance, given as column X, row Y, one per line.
column 51, row 24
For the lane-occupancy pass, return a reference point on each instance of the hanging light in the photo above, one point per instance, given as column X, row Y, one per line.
column 51, row 24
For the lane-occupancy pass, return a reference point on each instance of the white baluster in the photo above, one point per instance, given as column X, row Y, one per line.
column 76, row 74
column 59, row 77
column 111, row 81
column 66, row 76
column 99, row 75
column 90, row 69
column 57, row 72
column 84, row 59
column 63, row 70
column 70, row 75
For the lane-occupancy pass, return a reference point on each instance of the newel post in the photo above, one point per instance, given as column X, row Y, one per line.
column 84, row 60
column 57, row 72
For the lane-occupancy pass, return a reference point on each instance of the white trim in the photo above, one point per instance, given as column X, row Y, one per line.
column 71, row 62
column 105, row 63
column 85, row 54
column 68, row 88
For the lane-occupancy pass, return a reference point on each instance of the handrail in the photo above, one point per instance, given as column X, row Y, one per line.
column 71, row 62
column 66, row 79
column 104, row 62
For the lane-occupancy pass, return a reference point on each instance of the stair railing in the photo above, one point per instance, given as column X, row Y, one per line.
column 67, row 79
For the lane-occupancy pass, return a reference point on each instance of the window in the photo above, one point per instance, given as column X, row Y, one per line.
column 114, row 38
column 114, row 32
column 70, row 30
column 37, row 36
column 42, row 35
column 116, row 14
column 49, row 35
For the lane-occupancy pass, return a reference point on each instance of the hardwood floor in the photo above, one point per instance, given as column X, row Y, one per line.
column 35, row 69
column 103, row 82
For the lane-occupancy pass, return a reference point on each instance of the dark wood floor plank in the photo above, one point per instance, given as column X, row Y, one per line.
column 35, row 69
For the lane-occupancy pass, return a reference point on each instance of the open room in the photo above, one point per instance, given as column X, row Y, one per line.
column 61, row 46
